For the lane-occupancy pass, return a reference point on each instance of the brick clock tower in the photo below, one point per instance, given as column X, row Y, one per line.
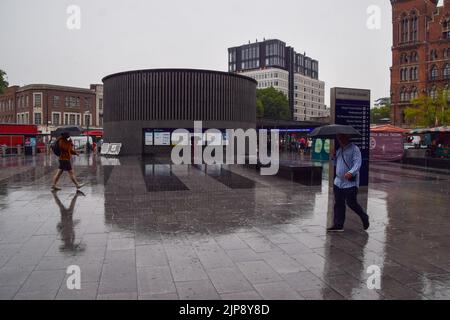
column 420, row 52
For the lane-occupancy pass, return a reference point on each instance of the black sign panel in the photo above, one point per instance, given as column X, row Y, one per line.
column 356, row 113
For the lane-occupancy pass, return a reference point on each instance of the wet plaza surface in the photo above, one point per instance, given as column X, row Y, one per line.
column 145, row 229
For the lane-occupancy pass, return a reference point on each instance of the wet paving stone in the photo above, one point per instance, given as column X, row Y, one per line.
column 145, row 229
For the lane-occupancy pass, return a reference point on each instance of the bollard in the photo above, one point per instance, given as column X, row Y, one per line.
column 19, row 150
column 3, row 151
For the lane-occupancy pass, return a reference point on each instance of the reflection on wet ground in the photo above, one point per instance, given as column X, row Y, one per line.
column 227, row 177
column 145, row 229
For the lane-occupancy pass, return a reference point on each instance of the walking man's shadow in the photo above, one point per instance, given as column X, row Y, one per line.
column 66, row 227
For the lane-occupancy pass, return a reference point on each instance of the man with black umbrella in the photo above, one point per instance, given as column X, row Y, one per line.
column 348, row 163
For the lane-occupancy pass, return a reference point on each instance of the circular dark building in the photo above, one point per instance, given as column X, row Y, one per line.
column 143, row 107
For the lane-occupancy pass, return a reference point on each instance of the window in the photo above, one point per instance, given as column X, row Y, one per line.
column 404, row 26
column 56, row 118
column 447, row 71
column 404, row 74
column 414, row 93
column 433, row 93
column 433, row 55
column 72, row 102
column 413, row 73
column 447, row 92
column 414, row 56
column 37, row 100
column 414, row 27
column 434, row 73
column 403, row 95
column 37, row 118
column 403, row 58
column 22, row 118
column 446, row 29
column 87, row 103
column 87, row 120
column 446, row 53
column 56, row 101
column 72, row 119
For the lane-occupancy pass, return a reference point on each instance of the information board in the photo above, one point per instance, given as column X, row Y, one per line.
column 352, row 107
column 161, row 138
column 148, row 138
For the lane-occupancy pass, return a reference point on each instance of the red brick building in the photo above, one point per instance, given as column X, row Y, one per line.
column 8, row 105
column 420, row 52
column 48, row 106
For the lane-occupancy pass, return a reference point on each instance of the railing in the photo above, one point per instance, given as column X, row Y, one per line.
column 12, row 151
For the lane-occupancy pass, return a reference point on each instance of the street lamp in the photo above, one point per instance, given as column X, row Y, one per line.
column 88, row 113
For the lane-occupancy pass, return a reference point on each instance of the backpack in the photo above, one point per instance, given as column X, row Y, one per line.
column 56, row 148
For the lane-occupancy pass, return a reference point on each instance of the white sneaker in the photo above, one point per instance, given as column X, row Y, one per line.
column 80, row 185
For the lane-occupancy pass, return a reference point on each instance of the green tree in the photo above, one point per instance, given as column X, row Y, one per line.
column 272, row 104
column 378, row 113
column 3, row 83
column 259, row 109
column 429, row 112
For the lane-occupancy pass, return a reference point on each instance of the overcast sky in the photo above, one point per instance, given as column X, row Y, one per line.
column 118, row 35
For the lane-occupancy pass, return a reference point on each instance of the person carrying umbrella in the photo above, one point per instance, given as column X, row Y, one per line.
column 65, row 149
column 348, row 162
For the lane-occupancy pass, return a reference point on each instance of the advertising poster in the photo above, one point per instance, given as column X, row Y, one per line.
column 321, row 149
column 386, row 146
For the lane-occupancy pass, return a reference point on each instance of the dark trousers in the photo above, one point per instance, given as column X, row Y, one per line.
column 342, row 196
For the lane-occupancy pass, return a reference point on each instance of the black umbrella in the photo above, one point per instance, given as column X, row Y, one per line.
column 330, row 131
column 72, row 130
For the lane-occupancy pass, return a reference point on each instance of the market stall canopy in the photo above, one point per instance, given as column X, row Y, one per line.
column 419, row 131
column 440, row 129
column 19, row 129
column 388, row 128
column 330, row 131
column 430, row 130
column 96, row 133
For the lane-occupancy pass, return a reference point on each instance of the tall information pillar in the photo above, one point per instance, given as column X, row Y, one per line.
column 352, row 107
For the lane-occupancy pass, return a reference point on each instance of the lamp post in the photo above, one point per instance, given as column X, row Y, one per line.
column 88, row 113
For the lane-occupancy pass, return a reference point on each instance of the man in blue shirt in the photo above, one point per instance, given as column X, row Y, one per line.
column 348, row 163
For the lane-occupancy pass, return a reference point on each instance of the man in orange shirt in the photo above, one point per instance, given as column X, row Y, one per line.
column 66, row 152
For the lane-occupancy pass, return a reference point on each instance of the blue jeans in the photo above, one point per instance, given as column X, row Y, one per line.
column 343, row 196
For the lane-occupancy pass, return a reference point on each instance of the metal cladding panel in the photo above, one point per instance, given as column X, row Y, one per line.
column 179, row 94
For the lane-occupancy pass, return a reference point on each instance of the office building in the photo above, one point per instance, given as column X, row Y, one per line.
column 273, row 64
